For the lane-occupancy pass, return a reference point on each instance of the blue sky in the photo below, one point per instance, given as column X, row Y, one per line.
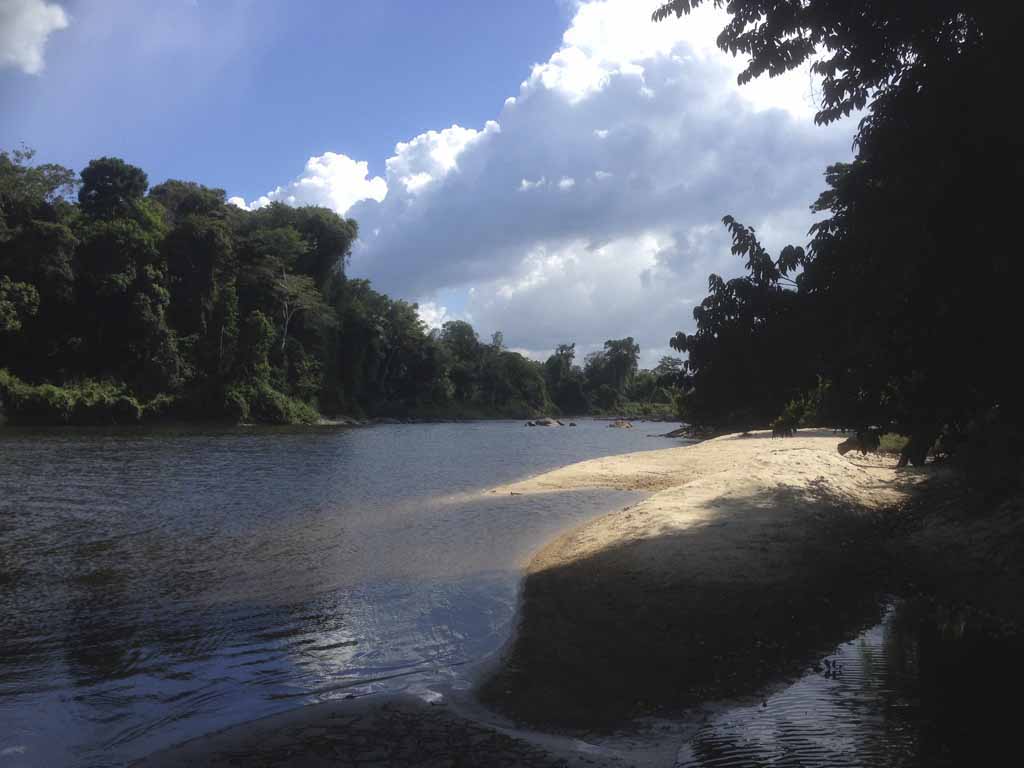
column 554, row 169
column 202, row 90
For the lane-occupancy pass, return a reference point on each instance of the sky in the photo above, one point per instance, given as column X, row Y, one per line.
column 553, row 169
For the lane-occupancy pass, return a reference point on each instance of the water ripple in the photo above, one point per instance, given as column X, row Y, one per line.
column 158, row 585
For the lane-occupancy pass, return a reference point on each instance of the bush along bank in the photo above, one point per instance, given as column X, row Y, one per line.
column 104, row 403
column 89, row 402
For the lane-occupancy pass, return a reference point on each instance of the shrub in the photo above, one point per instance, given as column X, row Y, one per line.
column 160, row 407
column 236, row 405
column 101, row 403
column 260, row 402
column 789, row 420
column 39, row 405
column 85, row 403
column 891, row 442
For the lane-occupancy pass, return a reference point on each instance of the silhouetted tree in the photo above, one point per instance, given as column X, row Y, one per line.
column 911, row 269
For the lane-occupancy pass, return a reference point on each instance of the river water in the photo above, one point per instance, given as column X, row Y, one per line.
column 931, row 685
column 157, row 585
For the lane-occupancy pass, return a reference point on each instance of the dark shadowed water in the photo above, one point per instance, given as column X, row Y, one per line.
column 928, row 686
column 155, row 586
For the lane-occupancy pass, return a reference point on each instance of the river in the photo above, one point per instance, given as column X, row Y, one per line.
column 156, row 585
column 932, row 685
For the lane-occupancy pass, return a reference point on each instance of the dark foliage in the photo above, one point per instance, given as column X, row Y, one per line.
column 901, row 312
column 168, row 303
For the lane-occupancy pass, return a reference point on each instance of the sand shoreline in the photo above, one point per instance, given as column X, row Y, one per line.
column 689, row 485
column 748, row 556
column 697, row 592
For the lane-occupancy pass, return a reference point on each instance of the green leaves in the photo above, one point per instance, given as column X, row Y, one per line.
column 18, row 301
column 181, row 199
column 111, row 187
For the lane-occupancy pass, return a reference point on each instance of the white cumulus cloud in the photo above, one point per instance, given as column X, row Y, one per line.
column 616, row 37
column 332, row 180
column 590, row 207
column 25, row 26
column 432, row 155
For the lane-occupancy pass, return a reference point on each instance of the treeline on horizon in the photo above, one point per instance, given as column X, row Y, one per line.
column 121, row 303
column 902, row 314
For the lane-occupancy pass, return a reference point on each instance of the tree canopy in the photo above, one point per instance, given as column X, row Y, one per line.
column 166, row 301
column 900, row 312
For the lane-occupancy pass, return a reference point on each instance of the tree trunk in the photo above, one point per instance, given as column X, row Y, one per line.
column 915, row 452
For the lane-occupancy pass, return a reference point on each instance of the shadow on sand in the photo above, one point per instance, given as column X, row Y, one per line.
column 605, row 639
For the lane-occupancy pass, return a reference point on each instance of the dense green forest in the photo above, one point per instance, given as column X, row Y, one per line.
column 901, row 314
column 121, row 302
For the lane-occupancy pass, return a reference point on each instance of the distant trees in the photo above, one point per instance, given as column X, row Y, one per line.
column 622, row 356
column 276, row 279
column 110, row 186
column 609, row 378
column 138, row 302
column 37, row 245
column 902, row 311
column 669, row 372
column 565, row 380
column 196, row 308
column 488, row 375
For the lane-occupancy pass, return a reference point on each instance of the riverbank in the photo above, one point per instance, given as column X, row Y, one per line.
column 106, row 404
column 750, row 557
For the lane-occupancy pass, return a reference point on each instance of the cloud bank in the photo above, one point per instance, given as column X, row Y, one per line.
column 25, row 26
column 590, row 207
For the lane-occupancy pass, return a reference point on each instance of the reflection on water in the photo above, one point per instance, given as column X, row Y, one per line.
column 925, row 687
column 158, row 585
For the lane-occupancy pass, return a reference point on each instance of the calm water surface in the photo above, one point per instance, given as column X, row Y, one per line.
column 155, row 586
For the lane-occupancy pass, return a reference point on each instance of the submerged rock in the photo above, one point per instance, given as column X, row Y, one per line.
column 621, row 424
